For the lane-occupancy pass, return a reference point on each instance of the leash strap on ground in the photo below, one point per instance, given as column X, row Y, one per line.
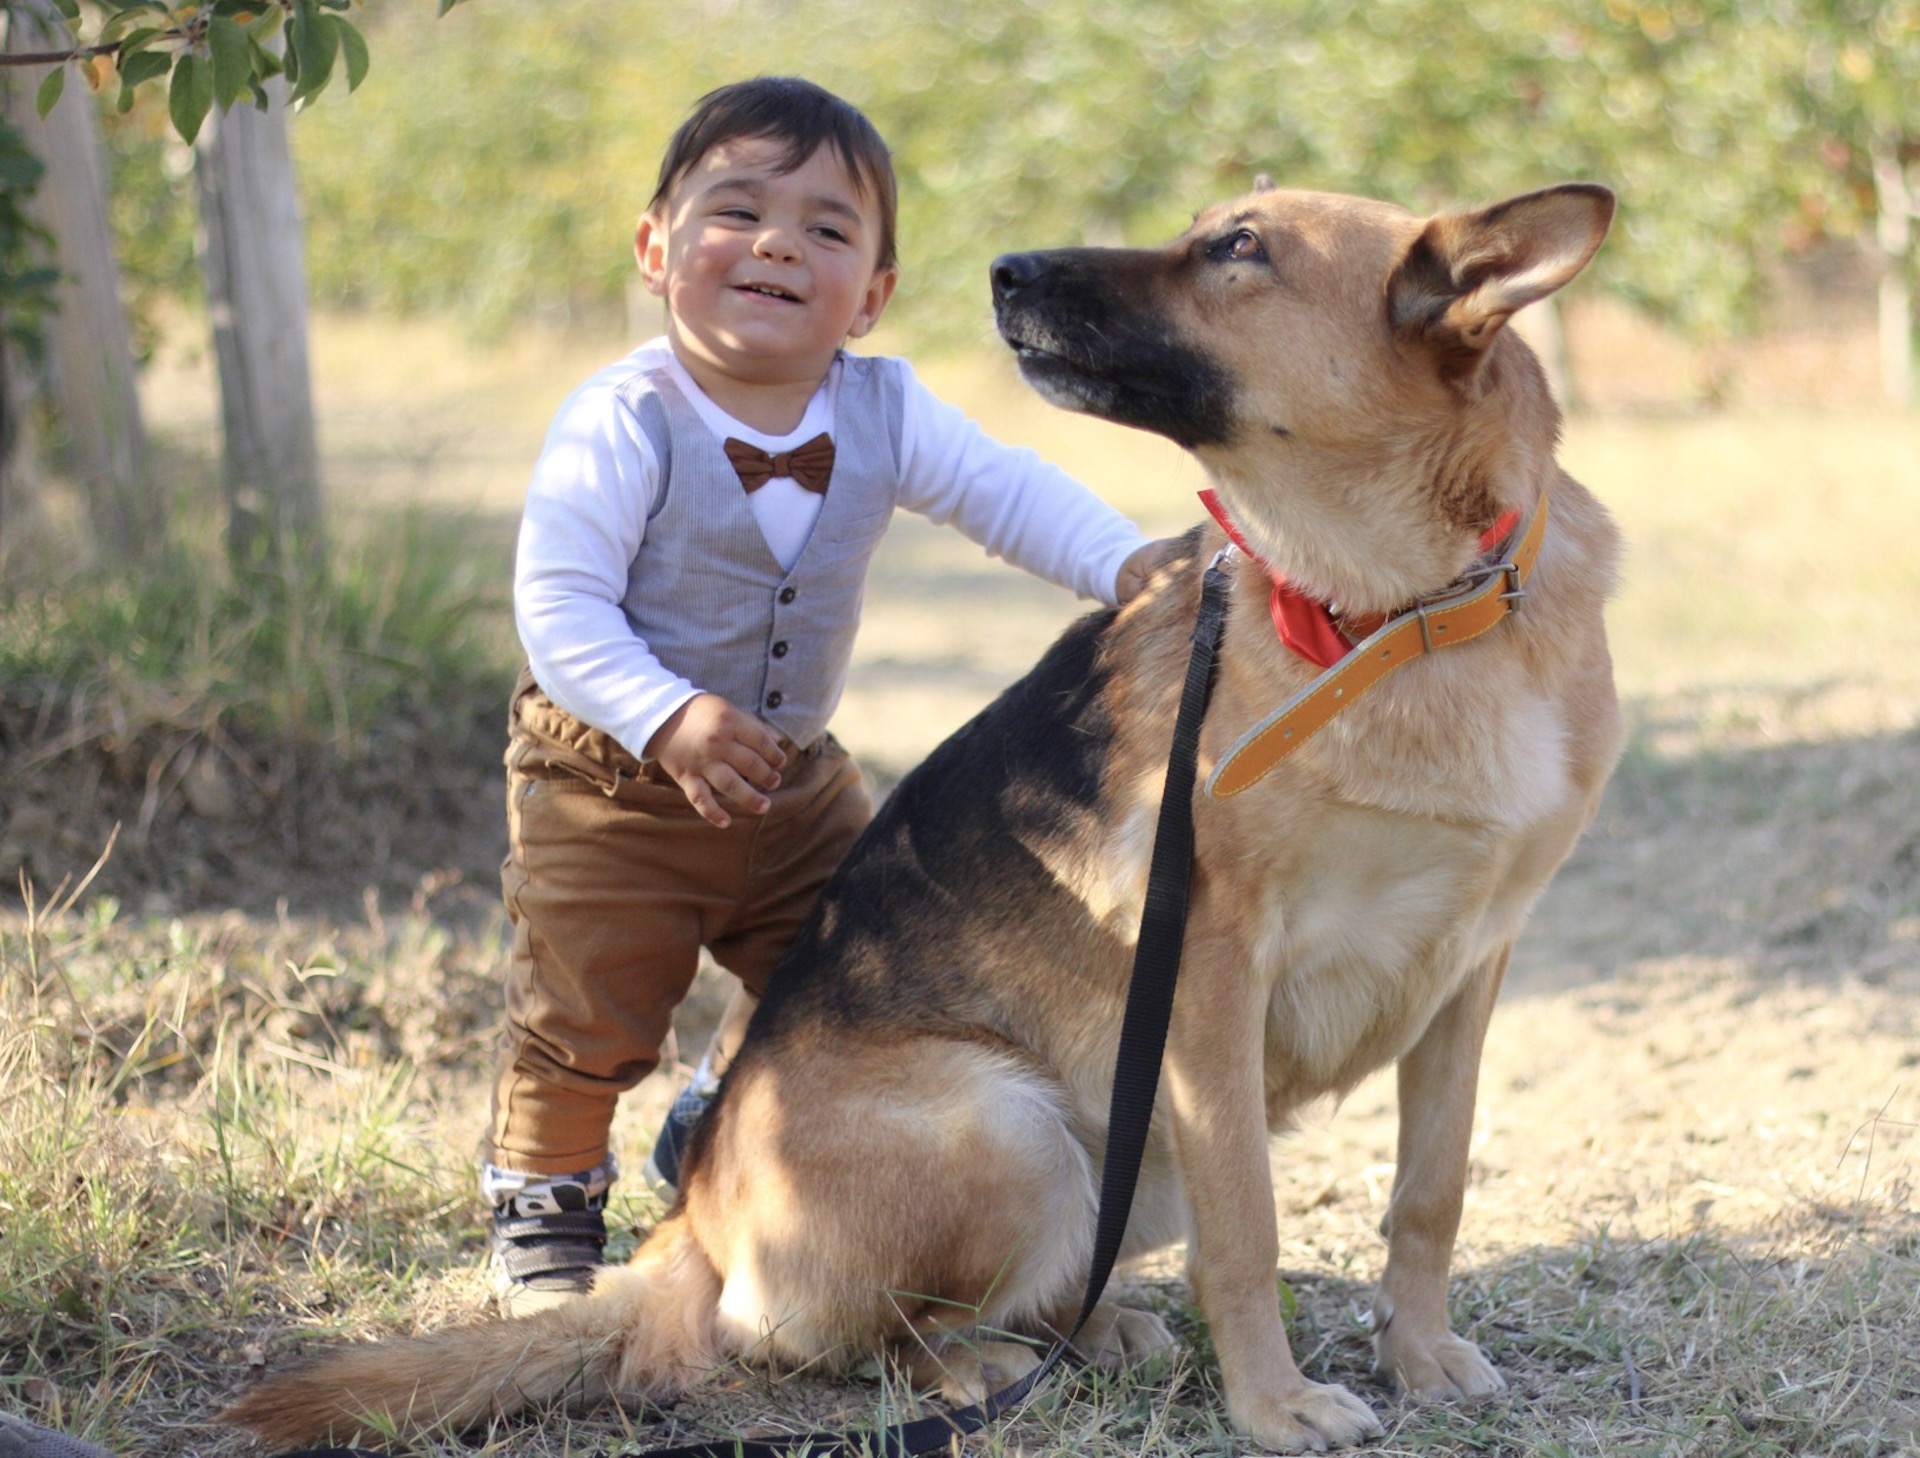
column 1136, row 1078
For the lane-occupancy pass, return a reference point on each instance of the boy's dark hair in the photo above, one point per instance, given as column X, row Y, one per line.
column 800, row 114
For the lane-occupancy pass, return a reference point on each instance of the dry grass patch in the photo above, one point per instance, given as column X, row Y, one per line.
column 1691, row 1227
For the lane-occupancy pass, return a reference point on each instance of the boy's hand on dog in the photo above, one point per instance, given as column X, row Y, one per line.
column 1137, row 571
column 716, row 752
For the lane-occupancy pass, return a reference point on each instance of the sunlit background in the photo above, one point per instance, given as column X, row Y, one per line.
column 249, row 813
column 1736, row 363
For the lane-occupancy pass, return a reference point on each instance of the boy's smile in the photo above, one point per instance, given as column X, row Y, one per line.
column 765, row 273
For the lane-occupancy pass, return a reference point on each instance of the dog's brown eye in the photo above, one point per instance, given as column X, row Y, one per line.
column 1241, row 247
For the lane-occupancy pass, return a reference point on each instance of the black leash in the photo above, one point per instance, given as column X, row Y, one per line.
column 1136, row 1078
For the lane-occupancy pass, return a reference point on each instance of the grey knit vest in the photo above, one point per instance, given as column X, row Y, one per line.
column 705, row 591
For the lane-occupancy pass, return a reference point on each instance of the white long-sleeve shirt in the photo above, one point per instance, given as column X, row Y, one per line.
column 595, row 487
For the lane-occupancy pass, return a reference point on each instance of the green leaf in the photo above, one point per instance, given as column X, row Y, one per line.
column 137, row 41
column 50, row 89
column 232, row 51
column 144, row 66
column 20, row 170
column 138, row 69
column 68, row 8
column 267, row 24
column 1289, row 1301
column 353, row 46
column 265, row 62
column 122, row 20
column 190, row 96
column 316, row 40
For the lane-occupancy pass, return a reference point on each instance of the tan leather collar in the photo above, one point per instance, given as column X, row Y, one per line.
column 1478, row 601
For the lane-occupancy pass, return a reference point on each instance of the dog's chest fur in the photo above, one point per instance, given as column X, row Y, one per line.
column 1368, row 877
column 1389, row 867
column 1370, row 925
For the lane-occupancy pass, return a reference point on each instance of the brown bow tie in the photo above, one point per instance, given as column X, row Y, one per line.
column 810, row 463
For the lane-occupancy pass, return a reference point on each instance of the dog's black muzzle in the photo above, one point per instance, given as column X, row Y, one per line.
column 1014, row 273
column 1085, row 325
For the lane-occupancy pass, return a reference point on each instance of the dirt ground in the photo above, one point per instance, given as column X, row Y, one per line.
column 1709, row 1031
column 1733, row 952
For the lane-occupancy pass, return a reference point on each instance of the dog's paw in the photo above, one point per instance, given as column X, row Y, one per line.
column 1442, row 1369
column 1119, row 1336
column 1310, row 1418
column 966, row 1373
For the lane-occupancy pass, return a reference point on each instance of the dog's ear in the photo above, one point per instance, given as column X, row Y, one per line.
column 1467, row 273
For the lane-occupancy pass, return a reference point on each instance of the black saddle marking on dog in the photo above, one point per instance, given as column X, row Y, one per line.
column 955, row 849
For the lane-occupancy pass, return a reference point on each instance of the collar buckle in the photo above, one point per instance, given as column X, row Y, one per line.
column 1469, row 585
column 1481, row 573
column 1421, row 607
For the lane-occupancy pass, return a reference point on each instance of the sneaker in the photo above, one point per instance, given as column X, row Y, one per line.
column 662, row 1170
column 22, row 1439
column 549, row 1235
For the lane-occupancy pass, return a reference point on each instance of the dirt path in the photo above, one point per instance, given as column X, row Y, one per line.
column 1722, row 980
column 1692, row 1222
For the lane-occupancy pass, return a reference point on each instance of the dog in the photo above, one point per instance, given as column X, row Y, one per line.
column 904, row 1155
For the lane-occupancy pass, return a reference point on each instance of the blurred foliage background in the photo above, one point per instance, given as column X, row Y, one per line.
column 494, row 161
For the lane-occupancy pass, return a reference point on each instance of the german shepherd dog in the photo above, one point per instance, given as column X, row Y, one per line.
column 903, row 1155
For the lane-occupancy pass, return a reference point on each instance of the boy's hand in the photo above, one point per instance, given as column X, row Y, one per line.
column 715, row 752
column 1138, row 569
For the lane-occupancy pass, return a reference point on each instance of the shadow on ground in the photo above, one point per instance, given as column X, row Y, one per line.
column 1801, row 856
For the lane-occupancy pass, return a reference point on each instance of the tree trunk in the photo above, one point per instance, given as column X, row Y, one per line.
column 1894, row 206
column 89, row 358
column 254, row 259
column 15, row 460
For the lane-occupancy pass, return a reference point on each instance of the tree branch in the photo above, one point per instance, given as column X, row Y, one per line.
column 84, row 53
column 49, row 58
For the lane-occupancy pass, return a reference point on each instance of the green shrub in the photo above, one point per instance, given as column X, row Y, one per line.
column 402, row 620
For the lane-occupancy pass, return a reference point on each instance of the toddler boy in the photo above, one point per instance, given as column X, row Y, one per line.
column 689, row 577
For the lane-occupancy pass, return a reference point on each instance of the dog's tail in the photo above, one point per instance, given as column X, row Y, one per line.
column 647, row 1330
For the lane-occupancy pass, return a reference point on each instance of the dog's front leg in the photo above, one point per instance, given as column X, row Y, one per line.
column 1411, row 1338
column 1215, row 1084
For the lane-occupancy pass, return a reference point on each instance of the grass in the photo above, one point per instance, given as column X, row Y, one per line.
column 195, row 1131
column 181, row 638
column 1691, row 1225
column 216, row 1136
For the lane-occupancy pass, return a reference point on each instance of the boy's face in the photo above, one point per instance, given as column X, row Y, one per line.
column 765, row 273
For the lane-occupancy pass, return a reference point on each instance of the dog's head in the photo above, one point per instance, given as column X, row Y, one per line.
column 1340, row 366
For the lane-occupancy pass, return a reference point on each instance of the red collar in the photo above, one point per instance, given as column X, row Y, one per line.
column 1306, row 624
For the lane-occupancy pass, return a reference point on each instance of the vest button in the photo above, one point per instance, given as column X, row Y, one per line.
column 774, row 699
column 787, row 594
column 780, row 650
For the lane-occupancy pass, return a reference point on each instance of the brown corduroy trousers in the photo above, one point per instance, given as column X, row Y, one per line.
column 614, row 883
